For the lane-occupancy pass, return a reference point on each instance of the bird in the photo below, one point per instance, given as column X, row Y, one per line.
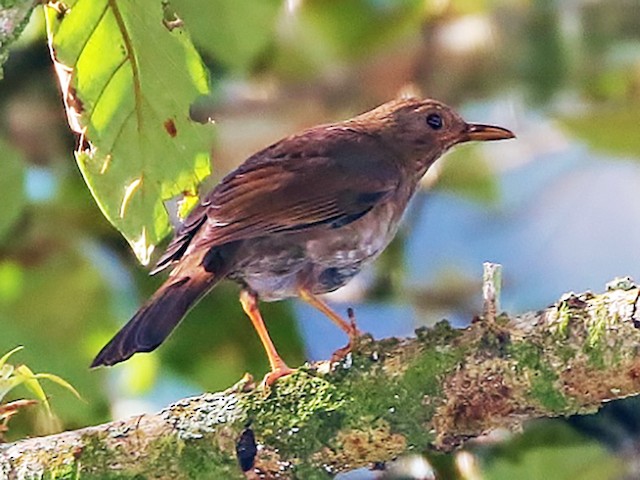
column 299, row 218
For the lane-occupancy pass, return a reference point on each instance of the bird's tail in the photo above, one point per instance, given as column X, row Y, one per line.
column 157, row 318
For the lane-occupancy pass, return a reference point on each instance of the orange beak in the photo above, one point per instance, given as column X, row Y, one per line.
column 480, row 132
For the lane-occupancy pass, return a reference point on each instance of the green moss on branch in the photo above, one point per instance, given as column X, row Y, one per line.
column 388, row 398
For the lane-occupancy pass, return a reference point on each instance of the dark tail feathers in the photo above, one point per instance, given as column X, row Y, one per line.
column 156, row 319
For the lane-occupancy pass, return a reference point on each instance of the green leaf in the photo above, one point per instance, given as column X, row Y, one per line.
column 24, row 375
column 9, row 381
column 11, row 186
column 60, row 381
column 11, row 377
column 129, row 77
column 6, row 356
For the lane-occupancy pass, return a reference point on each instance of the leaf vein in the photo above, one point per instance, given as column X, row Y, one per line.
column 93, row 30
column 99, row 96
column 120, row 130
column 137, row 88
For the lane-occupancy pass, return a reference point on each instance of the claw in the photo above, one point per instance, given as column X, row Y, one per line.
column 271, row 377
column 355, row 334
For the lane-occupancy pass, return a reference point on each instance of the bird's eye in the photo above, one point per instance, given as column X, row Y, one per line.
column 435, row 121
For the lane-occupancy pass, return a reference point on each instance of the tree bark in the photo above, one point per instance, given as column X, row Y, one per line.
column 383, row 400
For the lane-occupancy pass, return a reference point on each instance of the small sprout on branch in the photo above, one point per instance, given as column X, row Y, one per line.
column 491, row 287
column 12, row 376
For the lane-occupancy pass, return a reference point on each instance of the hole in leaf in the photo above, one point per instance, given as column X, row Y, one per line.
column 170, row 18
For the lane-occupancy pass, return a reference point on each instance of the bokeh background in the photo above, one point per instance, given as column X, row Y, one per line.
column 559, row 207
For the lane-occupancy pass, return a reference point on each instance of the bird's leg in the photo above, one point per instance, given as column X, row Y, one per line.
column 349, row 327
column 279, row 369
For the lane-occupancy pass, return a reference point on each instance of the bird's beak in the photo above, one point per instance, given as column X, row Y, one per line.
column 480, row 132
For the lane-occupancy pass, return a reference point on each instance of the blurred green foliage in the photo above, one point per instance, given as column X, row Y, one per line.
column 353, row 28
column 612, row 130
column 550, row 449
column 466, row 173
column 11, row 186
column 240, row 33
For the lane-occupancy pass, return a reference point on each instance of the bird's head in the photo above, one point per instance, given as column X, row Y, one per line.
column 422, row 130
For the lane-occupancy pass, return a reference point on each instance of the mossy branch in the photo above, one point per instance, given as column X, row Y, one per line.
column 389, row 398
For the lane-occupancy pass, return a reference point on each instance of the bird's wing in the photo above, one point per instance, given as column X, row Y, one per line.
column 297, row 184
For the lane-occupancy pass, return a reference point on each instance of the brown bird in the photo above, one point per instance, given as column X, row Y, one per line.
column 299, row 218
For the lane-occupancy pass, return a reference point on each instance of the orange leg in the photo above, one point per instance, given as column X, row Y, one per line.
column 349, row 328
column 279, row 369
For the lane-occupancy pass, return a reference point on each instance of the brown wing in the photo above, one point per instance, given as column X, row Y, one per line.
column 299, row 183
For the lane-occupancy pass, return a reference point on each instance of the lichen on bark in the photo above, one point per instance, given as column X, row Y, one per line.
column 385, row 399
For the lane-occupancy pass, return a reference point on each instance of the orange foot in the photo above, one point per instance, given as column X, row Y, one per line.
column 354, row 338
column 278, row 372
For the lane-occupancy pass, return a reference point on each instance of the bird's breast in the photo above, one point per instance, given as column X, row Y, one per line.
column 320, row 259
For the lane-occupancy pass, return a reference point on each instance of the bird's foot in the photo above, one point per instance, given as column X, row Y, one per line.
column 245, row 384
column 279, row 371
column 355, row 335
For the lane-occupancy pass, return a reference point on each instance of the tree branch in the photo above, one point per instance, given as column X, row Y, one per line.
column 388, row 398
